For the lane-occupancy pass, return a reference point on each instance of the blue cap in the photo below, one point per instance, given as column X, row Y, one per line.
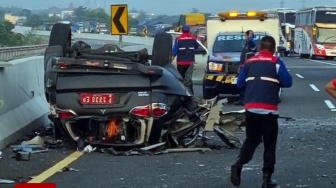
column 185, row 28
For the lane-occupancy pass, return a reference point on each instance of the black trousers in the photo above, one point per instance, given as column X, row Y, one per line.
column 186, row 72
column 260, row 128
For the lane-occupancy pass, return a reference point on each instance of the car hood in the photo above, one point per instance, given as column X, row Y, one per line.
column 225, row 56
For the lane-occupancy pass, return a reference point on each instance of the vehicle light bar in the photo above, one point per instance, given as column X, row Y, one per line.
column 248, row 14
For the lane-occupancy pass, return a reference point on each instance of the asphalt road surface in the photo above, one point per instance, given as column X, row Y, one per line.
column 305, row 155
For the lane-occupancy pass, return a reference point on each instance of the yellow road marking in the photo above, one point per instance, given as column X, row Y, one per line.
column 210, row 77
column 57, row 167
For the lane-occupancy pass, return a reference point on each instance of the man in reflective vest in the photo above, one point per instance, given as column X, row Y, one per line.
column 184, row 51
column 262, row 75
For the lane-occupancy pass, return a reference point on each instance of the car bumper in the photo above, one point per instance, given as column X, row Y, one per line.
column 221, row 83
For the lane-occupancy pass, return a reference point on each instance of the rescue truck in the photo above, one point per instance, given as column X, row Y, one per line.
column 225, row 41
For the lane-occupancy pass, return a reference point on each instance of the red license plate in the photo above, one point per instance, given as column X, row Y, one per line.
column 97, row 98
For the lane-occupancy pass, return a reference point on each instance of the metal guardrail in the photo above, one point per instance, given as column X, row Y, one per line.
column 10, row 53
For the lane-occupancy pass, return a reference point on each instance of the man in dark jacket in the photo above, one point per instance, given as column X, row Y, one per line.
column 184, row 51
column 249, row 48
column 263, row 75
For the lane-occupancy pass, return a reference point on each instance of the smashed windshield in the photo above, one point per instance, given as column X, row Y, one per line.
column 232, row 43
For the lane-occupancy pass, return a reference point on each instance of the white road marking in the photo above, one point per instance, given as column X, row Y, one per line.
column 298, row 75
column 330, row 105
column 322, row 62
column 314, row 87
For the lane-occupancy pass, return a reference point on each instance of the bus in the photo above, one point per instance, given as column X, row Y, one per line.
column 315, row 32
column 287, row 26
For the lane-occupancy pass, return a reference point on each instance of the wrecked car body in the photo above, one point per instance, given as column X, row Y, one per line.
column 118, row 99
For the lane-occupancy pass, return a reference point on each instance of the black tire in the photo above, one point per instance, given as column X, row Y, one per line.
column 286, row 53
column 329, row 58
column 61, row 35
column 162, row 49
column 208, row 94
column 50, row 52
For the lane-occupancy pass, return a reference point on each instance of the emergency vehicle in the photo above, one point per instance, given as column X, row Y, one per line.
column 287, row 26
column 225, row 41
column 315, row 32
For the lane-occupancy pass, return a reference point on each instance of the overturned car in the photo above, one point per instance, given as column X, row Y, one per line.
column 119, row 99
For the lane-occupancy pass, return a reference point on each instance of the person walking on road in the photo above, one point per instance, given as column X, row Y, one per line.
column 330, row 88
column 184, row 51
column 263, row 75
column 249, row 46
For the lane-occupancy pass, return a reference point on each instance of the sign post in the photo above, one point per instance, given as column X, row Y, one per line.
column 119, row 21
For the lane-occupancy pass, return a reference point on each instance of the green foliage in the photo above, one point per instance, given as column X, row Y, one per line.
column 9, row 38
column 82, row 14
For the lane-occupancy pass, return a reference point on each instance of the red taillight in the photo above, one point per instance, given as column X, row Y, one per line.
column 64, row 66
column 159, row 109
column 155, row 110
column 65, row 115
column 142, row 111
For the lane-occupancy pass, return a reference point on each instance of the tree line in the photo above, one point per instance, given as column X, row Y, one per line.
column 8, row 38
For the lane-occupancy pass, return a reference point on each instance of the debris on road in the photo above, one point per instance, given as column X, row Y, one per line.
column 2, row 181
column 22, row 156
column 37, row 140
column 89, row 149
column 179, row 150
column 67, row 169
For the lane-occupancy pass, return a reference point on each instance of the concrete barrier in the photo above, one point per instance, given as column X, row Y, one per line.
column 22, row 102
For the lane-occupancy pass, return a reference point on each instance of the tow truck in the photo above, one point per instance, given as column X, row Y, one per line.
column 225, row 40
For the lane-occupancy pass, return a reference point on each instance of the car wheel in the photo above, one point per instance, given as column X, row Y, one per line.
column 49, row 76
column 162, row 49
column 61, row 35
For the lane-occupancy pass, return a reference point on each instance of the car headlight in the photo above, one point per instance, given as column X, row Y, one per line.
column 320, row 47
column 212, row 66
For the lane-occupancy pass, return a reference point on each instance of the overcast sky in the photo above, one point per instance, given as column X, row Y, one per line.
column 170, row 7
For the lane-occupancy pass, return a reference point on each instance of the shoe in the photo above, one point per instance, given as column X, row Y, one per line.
column 268, row 182
column 235, row 174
